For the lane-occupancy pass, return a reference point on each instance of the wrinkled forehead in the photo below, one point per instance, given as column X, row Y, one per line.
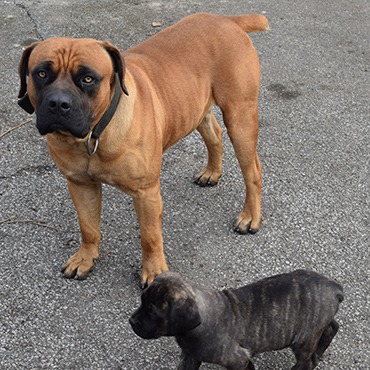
column 64, row 54
column 166, row 286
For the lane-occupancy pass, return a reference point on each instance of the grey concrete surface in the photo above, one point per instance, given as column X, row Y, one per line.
column 314, row 146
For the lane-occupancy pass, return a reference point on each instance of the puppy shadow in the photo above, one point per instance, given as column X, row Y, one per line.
column 274, row 360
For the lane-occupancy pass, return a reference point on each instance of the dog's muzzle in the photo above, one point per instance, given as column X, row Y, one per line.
column 59, row 103
column 60, row 110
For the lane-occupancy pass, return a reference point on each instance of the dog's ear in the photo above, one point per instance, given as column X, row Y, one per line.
column 118, row 63
column 184, row 316
column 23, row 99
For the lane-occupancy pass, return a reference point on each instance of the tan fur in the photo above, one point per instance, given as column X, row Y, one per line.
column 173, row 79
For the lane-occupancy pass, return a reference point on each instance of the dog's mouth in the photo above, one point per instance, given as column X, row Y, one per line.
column 144, row 335
column 138, row 329
column 65, row 112
column 50, row 128
column 47, row 125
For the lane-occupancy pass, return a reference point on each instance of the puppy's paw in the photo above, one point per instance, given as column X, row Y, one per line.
column 79, row 265
column 207, row 177
column 244, row 224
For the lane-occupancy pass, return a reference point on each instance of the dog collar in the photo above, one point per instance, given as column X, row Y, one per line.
column 25, row 103
column 105, row 119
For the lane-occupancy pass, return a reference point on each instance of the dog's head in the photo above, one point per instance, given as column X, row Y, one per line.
column 168, row 308
column 69, row 83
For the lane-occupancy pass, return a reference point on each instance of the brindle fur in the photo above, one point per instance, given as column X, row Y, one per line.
column 228, row 327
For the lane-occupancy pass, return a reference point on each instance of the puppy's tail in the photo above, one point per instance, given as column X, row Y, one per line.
column 338, row 291
column 340, row 295
column 251, row 22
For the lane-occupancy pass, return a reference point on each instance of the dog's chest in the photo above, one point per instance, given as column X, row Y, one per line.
column 129, row 170
column 80, row 168
column 127, row 173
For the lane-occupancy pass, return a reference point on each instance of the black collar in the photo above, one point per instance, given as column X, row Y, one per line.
column 105, row 119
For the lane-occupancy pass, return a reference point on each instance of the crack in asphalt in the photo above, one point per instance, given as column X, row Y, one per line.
column 42, row 169
column 29, row 15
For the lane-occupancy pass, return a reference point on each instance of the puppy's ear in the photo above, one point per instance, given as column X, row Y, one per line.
column 118, row 63
column 184, row 316
column 24, row 101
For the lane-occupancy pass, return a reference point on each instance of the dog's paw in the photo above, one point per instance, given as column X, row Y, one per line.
column 207, row 177
column 79, row 265
column 244, row 224
column 149, row 273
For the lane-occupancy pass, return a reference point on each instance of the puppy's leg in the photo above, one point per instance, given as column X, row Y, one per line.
column 238, row 358
column 248, row 366
column 148, row 206
column 326, row 338
column 305, row 353
column 188, row 363
column 87, row 200
column 241, row 120
column 211, row 133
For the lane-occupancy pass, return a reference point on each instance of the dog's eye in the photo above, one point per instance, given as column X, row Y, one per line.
column 88, row 80
column 151, row 309
column 41, row 74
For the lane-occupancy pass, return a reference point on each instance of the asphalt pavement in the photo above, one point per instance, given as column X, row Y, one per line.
column 314, row 145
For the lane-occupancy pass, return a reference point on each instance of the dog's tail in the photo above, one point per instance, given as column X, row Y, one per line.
column 251, row 22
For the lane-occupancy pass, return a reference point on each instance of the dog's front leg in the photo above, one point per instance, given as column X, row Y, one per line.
column 148, row 206
column 87, row 200
column 188, row 363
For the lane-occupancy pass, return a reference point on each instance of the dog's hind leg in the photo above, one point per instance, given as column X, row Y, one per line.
column 235, row 90
column 326, row 337
column 211, row 133
column 241, row 120
column 305, row 353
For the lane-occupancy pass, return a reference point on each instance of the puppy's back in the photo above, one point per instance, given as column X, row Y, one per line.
column 303, row 284
column 280, row 307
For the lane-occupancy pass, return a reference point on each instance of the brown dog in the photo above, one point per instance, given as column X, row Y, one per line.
column 96, row 134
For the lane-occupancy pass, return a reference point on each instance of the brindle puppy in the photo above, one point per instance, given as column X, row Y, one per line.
column 228, row 327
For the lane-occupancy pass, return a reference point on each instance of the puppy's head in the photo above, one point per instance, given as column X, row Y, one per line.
column 69, row 83
column 168, row 308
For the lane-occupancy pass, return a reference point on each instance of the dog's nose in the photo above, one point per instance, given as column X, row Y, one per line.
column 60, row 103
column 133, row 321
